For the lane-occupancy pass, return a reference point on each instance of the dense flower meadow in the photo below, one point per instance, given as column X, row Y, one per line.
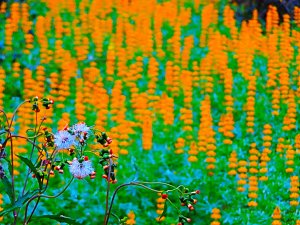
column 188, row 94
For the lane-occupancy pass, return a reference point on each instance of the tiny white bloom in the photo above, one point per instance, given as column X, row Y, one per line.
column 63, row 139
column 81, row 130
column 81, row 169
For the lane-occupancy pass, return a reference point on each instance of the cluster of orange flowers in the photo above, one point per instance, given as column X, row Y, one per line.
column 264, row 157
column 294, row 190
column 251, row 104
column 242, row 172
column 137, row 34
column 131, row 218
column 276, row 216
column 160, row 204
column 2, row 85
column 216, row 216
column 253, row 180
column 232, row 164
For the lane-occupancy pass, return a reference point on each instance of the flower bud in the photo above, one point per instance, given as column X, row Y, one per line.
column 2, row 174
column 191, row 208
column 105, row 167
column 114, row 181
column 93, row 173
column 109, row 140
column 164, row 195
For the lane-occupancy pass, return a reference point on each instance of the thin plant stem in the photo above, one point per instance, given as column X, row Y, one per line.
column 46, row 186
column 173, row 205
column 14, row 113
column 157, row 182
column 39, row 195
column 107, row 191
column 114, row 215
column 19, row 136
column 6, row 118
column 36, row 131
column 112, row 201
column 31, row 153
column 13, row 177
column 120, row 187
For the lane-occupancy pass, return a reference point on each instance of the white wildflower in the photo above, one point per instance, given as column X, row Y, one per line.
column 81, row 131
column 81, row 169
column 63, row 139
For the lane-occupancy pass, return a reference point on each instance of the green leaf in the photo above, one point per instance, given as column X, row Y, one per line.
column 30, row 132
column 8, row 210
column 8, row 188
column 20, row 202
column 9, row 166
column 58, row 218
column 23, row 199
column 33, row 169
column 164, row 213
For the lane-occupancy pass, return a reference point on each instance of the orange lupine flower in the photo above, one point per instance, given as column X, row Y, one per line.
column 216, row 216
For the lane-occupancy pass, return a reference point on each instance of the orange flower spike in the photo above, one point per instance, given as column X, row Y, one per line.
column 2, row 85
column 294, row 191
column 25, row 23
column 276, row 216
column 16, row 69
column 290, row 155
column 3, row 7
column 196, row 74
column 185, row 56
column 15, row 15
column 253, row 159
column 216, row 216
column 147, row 132
column 110, row 62
column 297, row 15
column 242, row 172
column 160, row 204
column 131, row 218
column 233, row 164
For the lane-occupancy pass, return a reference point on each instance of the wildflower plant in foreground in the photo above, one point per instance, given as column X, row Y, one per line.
column 67, row 148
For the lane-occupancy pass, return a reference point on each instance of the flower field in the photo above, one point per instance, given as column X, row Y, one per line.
column 189, row 95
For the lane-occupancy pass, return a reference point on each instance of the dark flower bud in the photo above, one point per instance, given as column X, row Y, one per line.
column 104, row 151
column 2, row 154
column 2, row 174
column 104, row 135
column 102, row 141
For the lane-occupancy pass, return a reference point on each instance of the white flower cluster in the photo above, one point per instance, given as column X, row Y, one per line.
column 81, row 169
column 65, row 139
